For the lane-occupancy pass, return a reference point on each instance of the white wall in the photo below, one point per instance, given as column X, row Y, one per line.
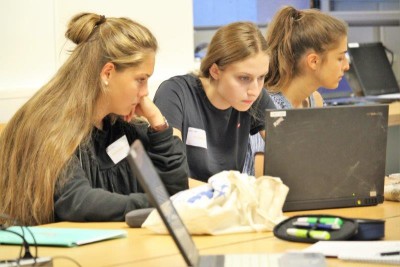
column 33, row 45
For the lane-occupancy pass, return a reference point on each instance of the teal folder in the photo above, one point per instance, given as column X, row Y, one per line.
column 63, row 237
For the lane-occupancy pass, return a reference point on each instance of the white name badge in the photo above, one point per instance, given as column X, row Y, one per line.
column 118, row 150
column 196, row 137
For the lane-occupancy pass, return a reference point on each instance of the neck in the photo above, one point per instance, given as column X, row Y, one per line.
column 99, row 124
column 99, row 114
column 210, row 88
column 298, row 90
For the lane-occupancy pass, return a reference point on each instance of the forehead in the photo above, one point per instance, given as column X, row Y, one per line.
column 341, row 46
column 256, row 64
column 146, row 67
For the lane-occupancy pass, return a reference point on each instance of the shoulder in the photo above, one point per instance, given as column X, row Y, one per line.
column 182, row 90
column 275, row 95
column 265, row 100
column 180, row 82
column 279, row 100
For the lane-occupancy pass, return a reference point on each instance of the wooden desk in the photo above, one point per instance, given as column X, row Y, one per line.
column 269, row 245
column 143, row 248
column 394, row 114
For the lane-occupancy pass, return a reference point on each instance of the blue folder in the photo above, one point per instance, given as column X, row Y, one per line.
column 63, row 237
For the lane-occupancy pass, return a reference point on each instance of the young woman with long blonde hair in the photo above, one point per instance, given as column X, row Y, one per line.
column 60, row 154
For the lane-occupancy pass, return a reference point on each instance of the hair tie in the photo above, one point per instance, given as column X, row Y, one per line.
column 101, row 20
column 297, row 15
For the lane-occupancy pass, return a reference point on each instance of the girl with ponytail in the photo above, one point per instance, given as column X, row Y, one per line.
column 307, row 51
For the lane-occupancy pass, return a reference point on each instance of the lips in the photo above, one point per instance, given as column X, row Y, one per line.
column 248, row 101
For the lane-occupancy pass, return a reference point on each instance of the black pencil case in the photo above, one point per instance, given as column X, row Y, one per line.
column 350, row 229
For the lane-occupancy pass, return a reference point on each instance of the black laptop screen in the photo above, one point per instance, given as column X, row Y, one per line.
column 328, row 157
column 373, row 69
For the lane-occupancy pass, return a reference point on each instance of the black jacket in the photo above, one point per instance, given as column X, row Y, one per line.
column 99, row 190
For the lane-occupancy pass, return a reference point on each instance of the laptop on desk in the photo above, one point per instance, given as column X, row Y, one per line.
column 329, row 157
column 373, row 71
column 142, row 166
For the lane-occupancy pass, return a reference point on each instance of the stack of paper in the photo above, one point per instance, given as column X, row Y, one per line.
column 385, row 252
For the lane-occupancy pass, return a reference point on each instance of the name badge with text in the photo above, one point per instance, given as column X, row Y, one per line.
column 118, row 150
column 196, row 137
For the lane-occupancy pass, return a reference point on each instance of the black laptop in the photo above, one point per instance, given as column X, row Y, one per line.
column 142, row 166
column 329, row 157
column 373, row 71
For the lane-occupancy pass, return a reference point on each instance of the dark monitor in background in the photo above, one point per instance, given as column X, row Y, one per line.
column 372, row 69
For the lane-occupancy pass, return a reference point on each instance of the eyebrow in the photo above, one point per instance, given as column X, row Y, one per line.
column 249, row 74
column 144, row 74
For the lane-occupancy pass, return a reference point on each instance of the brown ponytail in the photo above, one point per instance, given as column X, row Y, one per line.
column 290, row 34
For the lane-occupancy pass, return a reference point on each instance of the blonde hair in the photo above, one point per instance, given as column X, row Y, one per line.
column 232, row 43
column 291, row 33
column 39, row 142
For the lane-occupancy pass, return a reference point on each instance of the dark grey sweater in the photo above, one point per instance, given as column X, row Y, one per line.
column 99, row 190
column 184, row 103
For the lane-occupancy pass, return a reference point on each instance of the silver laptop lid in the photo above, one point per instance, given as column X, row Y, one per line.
column 149, row 179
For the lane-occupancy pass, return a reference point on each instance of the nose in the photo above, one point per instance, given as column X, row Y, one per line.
column 346, row 64
column 254, row 88
column 143, row 91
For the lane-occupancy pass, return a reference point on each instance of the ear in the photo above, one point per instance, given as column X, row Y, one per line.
column 313, row 60
column 106, row 71
column 214, row 71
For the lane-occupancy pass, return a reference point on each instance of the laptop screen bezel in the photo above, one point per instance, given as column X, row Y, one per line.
column 140, row 162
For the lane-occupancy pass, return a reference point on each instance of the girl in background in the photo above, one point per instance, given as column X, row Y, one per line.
column 214, row 113
column 308, row 51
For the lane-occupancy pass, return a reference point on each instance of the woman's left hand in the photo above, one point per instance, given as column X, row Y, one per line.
column 147, row 109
